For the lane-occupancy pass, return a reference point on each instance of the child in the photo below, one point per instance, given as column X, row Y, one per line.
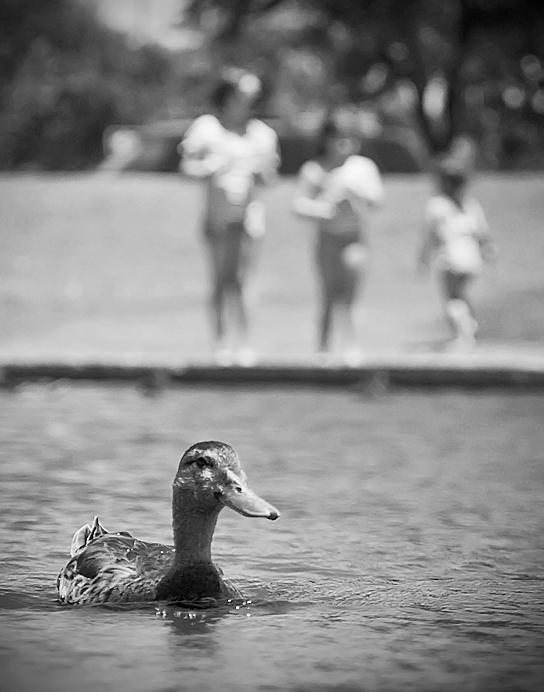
column 234, row 153
column 336, row 191
column 456, row 232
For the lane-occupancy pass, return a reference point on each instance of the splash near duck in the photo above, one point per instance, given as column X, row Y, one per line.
column 109, row 567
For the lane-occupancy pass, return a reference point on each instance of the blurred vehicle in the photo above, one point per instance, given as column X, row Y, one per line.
column 154, row 147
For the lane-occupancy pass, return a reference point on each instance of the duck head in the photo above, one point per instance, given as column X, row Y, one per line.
column 210, row 477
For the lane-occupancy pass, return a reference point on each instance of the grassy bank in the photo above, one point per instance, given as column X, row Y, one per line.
column 107, row 265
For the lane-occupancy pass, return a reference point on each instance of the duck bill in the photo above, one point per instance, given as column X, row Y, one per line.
column 239, row 497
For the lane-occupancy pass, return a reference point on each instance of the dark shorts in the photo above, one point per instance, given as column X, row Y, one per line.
column 455, row 284
column 340, row 278
column 229, row 250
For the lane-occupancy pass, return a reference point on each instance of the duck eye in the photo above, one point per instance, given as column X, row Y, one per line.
column 200, row 461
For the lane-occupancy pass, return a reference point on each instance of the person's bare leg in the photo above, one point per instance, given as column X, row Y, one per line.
column 346, row 325
column 352, row 354
column 217, row 310
column 459, row 312
column 251, row 251
column 218, row 302
column 245, row 257
column 354, row 261
column 324, row 329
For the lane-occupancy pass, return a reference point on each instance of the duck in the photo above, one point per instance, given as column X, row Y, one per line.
column 106, row 567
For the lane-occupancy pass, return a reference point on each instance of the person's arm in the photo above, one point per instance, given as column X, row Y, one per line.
column 268, row 159
column 201, row 165
column 197, row 161
column 485, row 241
column 374, row 191
column 267, row 171
column 425, row 252
column 264, row 164
column 362, row 181
column 307, row 203
column 429, row 241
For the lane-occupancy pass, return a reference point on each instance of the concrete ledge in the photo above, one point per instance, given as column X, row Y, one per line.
column 434, row 370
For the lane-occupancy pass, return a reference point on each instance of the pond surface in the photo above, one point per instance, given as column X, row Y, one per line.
column 409, row 554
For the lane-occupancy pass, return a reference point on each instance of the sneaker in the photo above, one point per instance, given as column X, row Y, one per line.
column 246, row 357
column 467, row 332
column 353, row 357
column 464, row 324
column 324, row 359
column 223, row 357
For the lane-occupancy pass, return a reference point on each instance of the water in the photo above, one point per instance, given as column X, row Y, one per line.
column 409, row 554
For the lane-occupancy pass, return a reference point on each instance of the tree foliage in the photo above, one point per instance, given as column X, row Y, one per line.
column 478, row 57
column 65, row 78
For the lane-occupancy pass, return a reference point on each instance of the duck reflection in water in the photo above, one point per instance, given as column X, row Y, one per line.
column 118, row 568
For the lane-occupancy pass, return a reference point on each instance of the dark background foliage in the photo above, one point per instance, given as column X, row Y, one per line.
column 65, row 78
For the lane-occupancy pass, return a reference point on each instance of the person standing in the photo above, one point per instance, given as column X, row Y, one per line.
column 456, row 235
column 336, row 190
column 236, row 155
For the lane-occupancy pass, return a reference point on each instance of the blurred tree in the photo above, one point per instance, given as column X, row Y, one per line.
column 464, row 61
column 65, row 78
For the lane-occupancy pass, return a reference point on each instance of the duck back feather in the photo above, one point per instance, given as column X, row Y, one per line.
column 114, row 567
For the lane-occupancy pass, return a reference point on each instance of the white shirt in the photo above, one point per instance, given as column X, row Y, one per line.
column 230, row 161
column 323, row 193
column 458, row 231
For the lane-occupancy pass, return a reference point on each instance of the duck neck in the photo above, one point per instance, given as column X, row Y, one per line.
column 193, row 529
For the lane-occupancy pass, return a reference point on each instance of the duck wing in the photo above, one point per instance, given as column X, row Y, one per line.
column 114, row 567
column 86, row 534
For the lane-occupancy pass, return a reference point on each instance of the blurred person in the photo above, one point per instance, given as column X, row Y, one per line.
column 456, row 234
column 336, row 191
column 236, row 155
